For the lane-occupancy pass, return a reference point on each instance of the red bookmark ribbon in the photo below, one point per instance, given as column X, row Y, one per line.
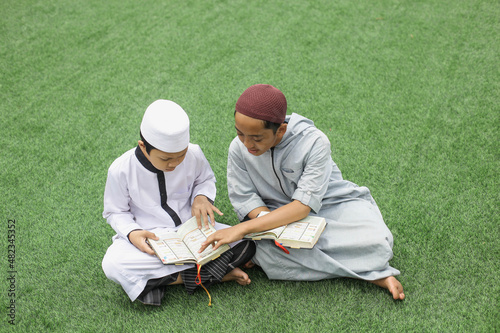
column 281, row 247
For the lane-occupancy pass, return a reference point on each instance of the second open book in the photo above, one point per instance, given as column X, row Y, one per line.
column 301, row 234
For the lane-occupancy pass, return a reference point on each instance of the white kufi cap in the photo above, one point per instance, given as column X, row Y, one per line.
column 165, row 126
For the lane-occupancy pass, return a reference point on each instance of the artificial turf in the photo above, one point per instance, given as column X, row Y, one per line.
column 406, row 91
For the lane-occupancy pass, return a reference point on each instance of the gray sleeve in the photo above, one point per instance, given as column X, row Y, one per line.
column 242, row 192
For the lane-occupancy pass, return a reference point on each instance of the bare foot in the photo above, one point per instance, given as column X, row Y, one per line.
column 393, row 285
column 237, row 275
column 249, row 264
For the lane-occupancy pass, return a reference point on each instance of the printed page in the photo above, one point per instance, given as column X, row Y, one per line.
column 195, row 238
column 309, row 233
column 304, row 233
column 187, row 226
column 170, row 248
column 294, row 231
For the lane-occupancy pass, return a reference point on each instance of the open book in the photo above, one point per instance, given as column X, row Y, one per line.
column 301, row 234
column 181, row 246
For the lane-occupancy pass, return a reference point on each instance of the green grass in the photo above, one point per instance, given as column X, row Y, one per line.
column 407, row 92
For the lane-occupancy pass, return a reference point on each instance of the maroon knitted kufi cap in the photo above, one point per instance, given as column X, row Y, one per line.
column 264, row 102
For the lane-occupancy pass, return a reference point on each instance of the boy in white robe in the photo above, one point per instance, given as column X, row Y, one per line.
column 154, row 187
column 283, row 164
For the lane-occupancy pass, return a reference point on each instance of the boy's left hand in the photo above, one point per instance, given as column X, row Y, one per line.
column 203, row 209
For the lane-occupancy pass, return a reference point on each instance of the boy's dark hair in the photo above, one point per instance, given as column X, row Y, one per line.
column 271, row 125
column 149, row 147
column 268, row 125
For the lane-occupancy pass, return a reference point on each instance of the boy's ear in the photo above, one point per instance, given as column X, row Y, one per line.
column 282, row 129
column 143, row 147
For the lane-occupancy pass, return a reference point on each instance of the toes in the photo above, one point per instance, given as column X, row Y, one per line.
column 249, row 264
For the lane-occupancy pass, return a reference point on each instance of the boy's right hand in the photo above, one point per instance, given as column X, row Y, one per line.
column 223, row 236
column 138, row 238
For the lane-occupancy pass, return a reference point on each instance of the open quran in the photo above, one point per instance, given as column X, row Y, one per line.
column 181, row 246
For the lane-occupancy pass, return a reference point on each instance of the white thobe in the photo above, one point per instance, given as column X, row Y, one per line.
column 132, row 201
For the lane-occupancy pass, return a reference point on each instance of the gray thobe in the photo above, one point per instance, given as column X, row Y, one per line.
column 356, row 242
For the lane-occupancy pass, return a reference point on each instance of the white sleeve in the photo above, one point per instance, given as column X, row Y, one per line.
column 116, row 203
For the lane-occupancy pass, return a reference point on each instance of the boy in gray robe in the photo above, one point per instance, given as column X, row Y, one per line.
column 283, row 164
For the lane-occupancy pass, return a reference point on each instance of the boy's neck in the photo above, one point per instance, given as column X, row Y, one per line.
column 144, row 160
